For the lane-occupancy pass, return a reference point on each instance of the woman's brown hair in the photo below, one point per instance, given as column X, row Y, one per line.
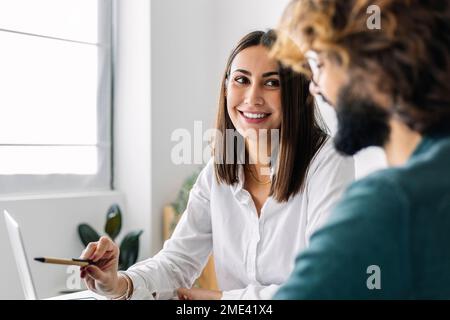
column 302, row 131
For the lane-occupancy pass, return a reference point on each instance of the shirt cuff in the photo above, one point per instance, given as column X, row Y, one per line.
column 140, row 290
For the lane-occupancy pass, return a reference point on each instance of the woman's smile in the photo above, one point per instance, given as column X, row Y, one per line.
column 254, row 117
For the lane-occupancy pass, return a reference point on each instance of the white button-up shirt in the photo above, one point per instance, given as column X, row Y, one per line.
column 252, row 255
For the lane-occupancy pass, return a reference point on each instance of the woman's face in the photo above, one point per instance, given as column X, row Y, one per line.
column 253, row 91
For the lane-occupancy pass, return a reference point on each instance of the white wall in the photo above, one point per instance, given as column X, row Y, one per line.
column 234, row 19
column 132, row 117
column 184, row 89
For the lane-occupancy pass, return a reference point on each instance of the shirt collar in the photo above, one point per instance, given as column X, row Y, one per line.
column 427, row 143
column 239, row 185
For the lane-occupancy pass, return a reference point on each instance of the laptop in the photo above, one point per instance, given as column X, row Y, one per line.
column 23, row 266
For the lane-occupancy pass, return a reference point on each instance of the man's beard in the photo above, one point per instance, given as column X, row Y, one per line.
column 362, row 123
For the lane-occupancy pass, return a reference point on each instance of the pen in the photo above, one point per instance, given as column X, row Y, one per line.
column 73, row 262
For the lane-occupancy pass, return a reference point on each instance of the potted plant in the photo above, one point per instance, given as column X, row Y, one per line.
column 129, row 247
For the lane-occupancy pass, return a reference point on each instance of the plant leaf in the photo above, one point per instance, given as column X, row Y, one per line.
column 113, row 221
column 87, row 234
column 129, row 249
column 181, row 201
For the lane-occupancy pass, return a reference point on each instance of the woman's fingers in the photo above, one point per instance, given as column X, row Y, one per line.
column 82, row 272
column 97, row 274
column 105, row 265
column 90, row 249
column 105, row 248
column 198, row 294
column 105, row 254
column 104, row 245
column 108, row 255
column 183, row 294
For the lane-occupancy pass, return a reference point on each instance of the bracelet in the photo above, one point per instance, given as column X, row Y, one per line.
column 128, row 292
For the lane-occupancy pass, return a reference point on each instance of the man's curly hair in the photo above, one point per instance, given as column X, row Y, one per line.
column 410, row 53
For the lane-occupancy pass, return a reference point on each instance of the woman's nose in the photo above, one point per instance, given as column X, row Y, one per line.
column 253, row 96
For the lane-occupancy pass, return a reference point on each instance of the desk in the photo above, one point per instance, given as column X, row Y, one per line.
column 82, row 295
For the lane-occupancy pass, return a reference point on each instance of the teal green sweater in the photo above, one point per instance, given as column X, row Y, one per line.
column 397, row 220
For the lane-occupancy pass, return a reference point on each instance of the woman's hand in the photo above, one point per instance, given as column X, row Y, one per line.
column 198, row 294
column 102, row 277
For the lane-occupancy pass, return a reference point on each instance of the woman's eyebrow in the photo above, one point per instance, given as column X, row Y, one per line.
column 242, row 71
column 271, row 73
column 264, row 75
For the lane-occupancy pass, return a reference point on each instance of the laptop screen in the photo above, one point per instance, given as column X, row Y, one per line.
column 19, row 254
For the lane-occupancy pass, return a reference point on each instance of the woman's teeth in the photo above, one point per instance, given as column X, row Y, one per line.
column 255, row 115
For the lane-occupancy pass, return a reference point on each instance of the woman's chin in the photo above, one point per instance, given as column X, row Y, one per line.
column 251, row 131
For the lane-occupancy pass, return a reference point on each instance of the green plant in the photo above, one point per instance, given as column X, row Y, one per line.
column 129, row 247
column 181, row 201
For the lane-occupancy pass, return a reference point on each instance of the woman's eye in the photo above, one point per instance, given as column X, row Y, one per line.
column 273, row 83
column 241, row 80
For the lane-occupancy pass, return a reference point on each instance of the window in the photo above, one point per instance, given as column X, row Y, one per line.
column 55, row 100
